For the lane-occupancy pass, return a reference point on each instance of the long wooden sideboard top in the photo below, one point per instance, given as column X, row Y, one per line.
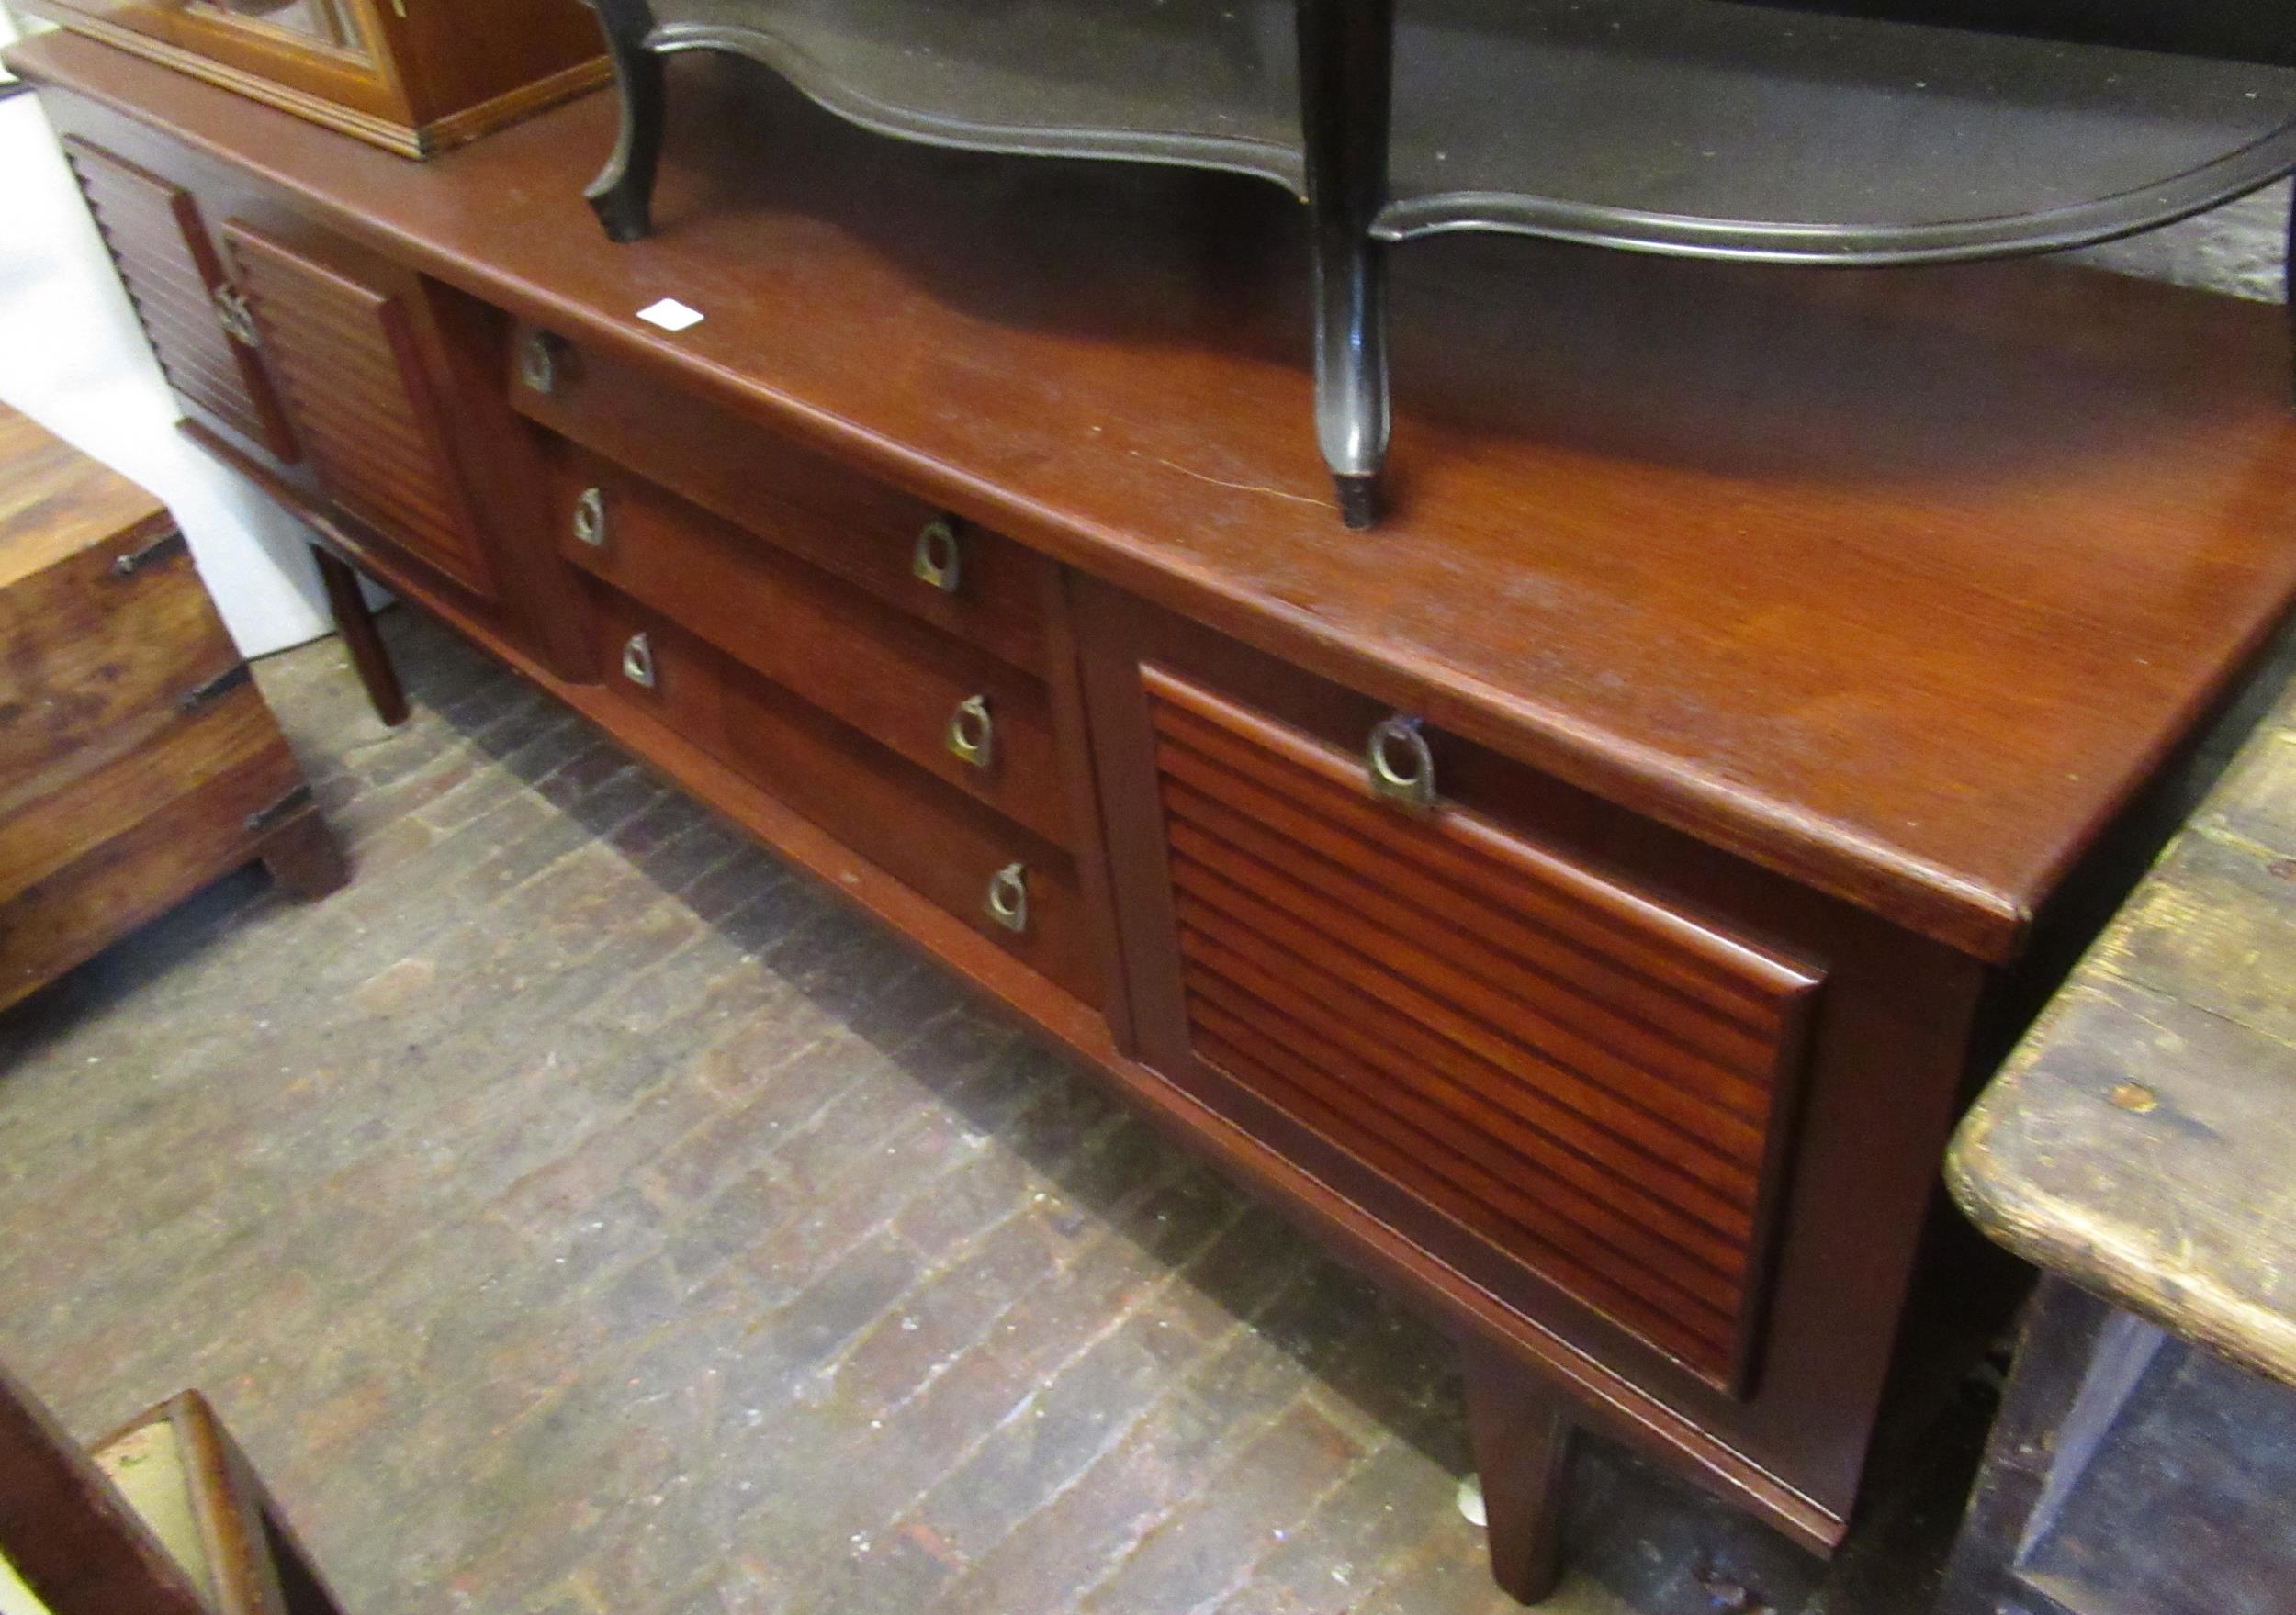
column 1767, row 678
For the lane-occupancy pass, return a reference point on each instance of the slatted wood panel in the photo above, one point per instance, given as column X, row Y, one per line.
column 346, row 358
column 1575, row 1075
column 170, row 269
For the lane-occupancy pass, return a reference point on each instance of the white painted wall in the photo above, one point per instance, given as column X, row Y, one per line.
column 2237, row 249
column 72, row 358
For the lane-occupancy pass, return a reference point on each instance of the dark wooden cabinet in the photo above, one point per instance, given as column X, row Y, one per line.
column 363, row 396
column 414, row 79
column 1584, row 904
column 191, row 313
column 1623, row 1088
column 340, row 332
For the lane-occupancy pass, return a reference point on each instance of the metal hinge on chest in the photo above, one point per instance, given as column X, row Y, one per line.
column 150, row 555
column 215, row 689
column 279, row 811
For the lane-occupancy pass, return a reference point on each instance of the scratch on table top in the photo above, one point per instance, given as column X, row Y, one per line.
column 1223, row 482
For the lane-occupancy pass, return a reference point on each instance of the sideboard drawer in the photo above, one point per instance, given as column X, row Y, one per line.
column 1583, row 1079
column 647, row 663
column 975, row 584
column 1013, row 887
column 974, row 720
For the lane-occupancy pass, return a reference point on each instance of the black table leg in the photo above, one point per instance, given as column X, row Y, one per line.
column 1344, row 48
column 623, row 194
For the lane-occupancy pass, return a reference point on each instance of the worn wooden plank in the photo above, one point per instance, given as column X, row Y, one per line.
column 2139, row 1140
column 55, row 501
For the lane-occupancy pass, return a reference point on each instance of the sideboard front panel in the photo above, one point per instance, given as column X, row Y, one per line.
column 176, row 281
column 344, row 351
column 1579, row 1078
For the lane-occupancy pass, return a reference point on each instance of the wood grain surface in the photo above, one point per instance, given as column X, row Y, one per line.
column 1899, row 583
column 2139, row 1142
column 343, row 348
column 792, row 497
column 55, row 501
column 1582, row 1077
column 892, row 678
column 135, row 753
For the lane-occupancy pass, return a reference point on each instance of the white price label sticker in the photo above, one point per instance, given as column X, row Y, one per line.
column 671, row 315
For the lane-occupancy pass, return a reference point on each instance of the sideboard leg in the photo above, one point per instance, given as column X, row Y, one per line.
column 1343, row 98
column 623, row 194
column 369, row 655
column 1522, row 1443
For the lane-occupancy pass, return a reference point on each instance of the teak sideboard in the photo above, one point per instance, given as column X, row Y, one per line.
column 1587, row 902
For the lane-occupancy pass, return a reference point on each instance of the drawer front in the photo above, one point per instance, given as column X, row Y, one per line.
column 980, row 587
column 159, row 243
column 1012, row 887
column 973, row 721
column 1578, row 1077
column 343, row 346
column 106, row 649
column 645, row 662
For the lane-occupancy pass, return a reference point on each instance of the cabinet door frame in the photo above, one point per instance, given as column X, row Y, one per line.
column 377, row 311
column 1855, row 1188
column 95, row 166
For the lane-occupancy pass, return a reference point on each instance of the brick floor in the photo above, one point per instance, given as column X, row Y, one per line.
column 578, row 1213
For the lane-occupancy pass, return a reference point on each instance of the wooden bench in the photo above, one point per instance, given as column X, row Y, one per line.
column 2139, row 1149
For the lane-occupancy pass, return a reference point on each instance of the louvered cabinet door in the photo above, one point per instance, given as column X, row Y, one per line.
column 1511, row 1050
column 175, row 278
column 342, row 338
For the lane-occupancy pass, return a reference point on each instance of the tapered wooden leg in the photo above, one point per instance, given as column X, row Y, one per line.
column 355, row 623
column 303, row 857
column 2288, row 290
column 1522, row 1442
column 623, row 194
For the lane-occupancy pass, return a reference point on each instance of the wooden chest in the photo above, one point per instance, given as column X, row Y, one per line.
column 137, row 761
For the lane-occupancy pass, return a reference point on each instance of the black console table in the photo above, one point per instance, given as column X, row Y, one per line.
column 1817, row 133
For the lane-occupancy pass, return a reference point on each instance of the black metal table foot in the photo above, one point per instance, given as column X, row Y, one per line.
column 1359, row 499
column 623, row 194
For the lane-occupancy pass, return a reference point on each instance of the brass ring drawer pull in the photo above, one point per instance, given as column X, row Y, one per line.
column 238, row 316
column 637, row 661
column 539, row 359
column 971, row 733
column 1008, row 897
column 938, row 558
column 1401, row 768
column 589, row 518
